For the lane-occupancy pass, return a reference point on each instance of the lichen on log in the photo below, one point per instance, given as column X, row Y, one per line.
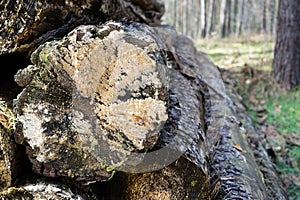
column 40, row 191
column 7, row 147
column 77, row 104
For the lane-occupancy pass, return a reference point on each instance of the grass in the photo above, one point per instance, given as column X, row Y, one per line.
column 236, row 54
column 276, row 112
column 284, row 112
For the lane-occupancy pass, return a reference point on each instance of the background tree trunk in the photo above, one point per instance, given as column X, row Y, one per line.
column 211, row 16
column 286, row 64
column 203, row 18
column 263, row 17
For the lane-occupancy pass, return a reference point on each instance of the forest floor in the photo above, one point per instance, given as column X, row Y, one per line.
column 273, row 110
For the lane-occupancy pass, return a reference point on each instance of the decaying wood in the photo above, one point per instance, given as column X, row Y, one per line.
column 7, row 147
column 26, row 24
column 228, row 131
column 257, row 140
column 171, row 124
column 42, row 190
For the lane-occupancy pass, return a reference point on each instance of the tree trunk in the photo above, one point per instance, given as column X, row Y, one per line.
column 235, row 16
column 274, row 18
column 211, row 17
column 125, row 110
column 263, row 21
column 286, row 64
column 241, row 18
column 196, row 10
column 203, row 18
column 223, row 14
column 228, row 18
column 272, row 15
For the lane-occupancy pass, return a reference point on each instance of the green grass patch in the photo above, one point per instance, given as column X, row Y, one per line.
column 284, row 113
column 237, row 55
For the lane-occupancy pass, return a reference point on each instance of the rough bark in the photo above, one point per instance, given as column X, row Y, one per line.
column 139, row 102
column 231, row 157
column 26, row 24
column 257, row 141
column 286, row 64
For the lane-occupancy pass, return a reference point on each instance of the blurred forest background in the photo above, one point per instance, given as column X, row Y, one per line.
column 240, row 35
column 222, row 18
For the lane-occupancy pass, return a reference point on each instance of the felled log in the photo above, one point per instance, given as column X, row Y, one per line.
column 257, row 141
column 132, row 100
column 82, row 117
column 229, row 132
column 26, row 24
column 60, row 88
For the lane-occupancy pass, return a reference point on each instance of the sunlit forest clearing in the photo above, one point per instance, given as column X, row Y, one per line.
column 238, row 53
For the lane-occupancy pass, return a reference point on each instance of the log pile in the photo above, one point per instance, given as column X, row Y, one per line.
column 123, row 104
